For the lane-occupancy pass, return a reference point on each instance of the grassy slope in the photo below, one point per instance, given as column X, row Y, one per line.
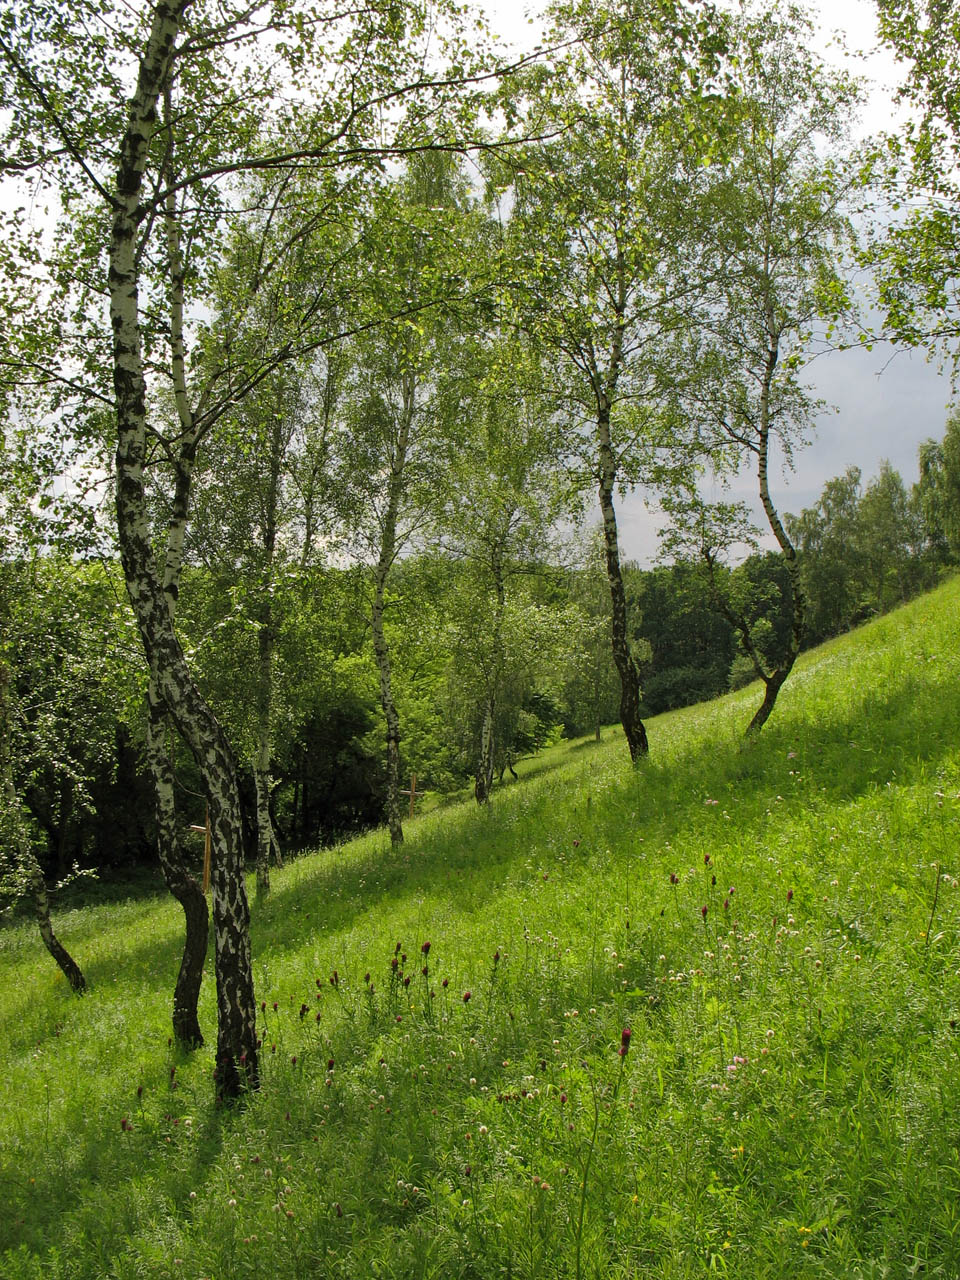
column 790, row 1103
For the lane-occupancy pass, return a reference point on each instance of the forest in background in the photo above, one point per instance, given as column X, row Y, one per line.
column 864, row 549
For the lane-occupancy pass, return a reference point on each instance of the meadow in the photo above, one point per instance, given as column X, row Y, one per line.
column 694, row 1018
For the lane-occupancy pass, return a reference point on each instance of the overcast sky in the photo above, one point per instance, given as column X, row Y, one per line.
column 886, row 401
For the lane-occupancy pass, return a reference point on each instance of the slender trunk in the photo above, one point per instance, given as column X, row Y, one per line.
column 774, row 681
column 63, row 833
column 630, row 718
column 184, row 887
column 27, row 859
column 771, row 687
column 237, row 1062
column 382, row 651
column 266, row 837
column 484, row 779
column 68, row 966
column 483, row 784
column 388, row 552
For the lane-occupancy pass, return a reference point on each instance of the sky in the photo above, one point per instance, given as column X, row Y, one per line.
column 882, row 403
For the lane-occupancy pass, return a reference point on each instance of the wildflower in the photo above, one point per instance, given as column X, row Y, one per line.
column 303, row 1010
column 263, row 1006
column 124, row 1124
column 726, row 904
column 293, row 1063
column 366, row 977
column 706, row 859
column 425, row 948
column 274, row 1006
column 674, row 878
column 625, row 1035
column 496, row 956
column 703, row 911
column 445, row 983
column 466, row 996
column 789, row 895
column 329, row 1064
column 338, row 1210
column 334, row 979
column 398, row 948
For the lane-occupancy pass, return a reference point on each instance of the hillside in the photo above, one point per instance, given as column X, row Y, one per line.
column 777, row 925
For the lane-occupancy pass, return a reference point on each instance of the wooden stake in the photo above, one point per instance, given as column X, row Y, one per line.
column 412, row 793
column 207, row 843
column 206, row 848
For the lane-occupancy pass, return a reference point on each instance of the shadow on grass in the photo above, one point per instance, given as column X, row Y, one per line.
column 879, row 733
column 857, row 745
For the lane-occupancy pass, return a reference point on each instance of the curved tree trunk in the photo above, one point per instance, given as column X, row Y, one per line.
column 237, row 1061
column 630, row 718
column 184, row 887
column 68, row 966
column 27, row 859
column 774, row 681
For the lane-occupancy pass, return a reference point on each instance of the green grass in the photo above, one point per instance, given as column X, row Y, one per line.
column 790, row 1102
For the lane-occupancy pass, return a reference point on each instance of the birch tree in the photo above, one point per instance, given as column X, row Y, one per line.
column 781, row 231
column 394, row 444
column 604, row 243
column 166, row 106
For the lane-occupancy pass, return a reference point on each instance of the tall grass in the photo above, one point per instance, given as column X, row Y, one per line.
column 777, row 925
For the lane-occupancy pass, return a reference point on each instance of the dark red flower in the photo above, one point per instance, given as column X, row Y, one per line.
column 703, row 911
column 674, row 878
column 625, row 1035
column 789, row 895
column 425, row 948
column 466, row 996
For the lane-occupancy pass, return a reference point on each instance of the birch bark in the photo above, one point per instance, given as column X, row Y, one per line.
column 237, row 1062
